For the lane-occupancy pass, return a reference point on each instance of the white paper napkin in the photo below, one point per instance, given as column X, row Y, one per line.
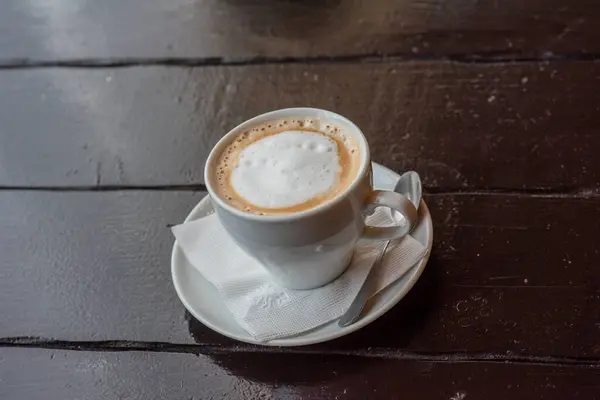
column 266, row 310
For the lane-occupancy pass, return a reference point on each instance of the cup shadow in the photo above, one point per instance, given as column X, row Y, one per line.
column 323, row 363
column 397, row 328
column 275, row 365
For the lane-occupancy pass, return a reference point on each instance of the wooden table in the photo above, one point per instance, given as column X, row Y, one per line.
column 108, row 109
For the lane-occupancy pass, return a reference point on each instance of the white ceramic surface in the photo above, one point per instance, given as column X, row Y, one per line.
column 308, row 249
column 204, row 302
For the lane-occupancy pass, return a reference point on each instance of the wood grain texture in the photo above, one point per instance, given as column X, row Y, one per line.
column 524, row 126
column 95, row 266
column 33, row 373
column 229, row 29
column 509, row 304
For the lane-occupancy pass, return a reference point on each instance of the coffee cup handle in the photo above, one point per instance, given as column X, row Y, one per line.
column 397, row 202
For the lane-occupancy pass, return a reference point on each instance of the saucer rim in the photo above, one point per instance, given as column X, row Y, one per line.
column 302, row 339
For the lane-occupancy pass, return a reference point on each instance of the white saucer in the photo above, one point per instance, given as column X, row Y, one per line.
column 204, row 302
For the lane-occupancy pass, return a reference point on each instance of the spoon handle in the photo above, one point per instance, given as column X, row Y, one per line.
column 358, row 304
column 409, row 184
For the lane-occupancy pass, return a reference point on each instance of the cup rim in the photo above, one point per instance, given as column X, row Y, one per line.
column 280, row 113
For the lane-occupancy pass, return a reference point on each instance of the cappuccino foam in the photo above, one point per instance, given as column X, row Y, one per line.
column 286, row 166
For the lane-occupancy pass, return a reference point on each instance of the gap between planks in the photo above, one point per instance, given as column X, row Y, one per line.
column 126, row 62
column 558, row 193
column 378, row 353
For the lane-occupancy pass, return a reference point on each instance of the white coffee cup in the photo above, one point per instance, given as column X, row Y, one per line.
column 308, row 249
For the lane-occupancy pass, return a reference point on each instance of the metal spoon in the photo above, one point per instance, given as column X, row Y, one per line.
column 409, row 185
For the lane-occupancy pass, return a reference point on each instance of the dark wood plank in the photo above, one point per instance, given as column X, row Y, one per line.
column 91, row 266
column 518, row 241
column 40, row 374
column 507, row 274
column 233, row 28
column 503, row 126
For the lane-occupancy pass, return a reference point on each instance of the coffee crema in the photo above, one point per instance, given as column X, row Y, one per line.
column 286, row 166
